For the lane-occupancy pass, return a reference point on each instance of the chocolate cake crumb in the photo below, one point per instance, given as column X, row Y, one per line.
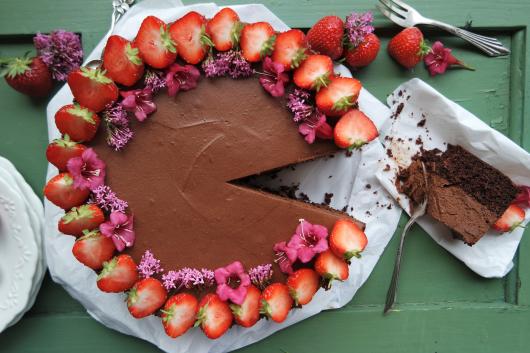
column 348, row 153
column 331, row 176
column 303, row 197
column 387, row 168
column 389, row 153
column 399, row 108
column 289, row 191
column 327, row 198
column 422, row 122
column 419, row 141
column 344, row 209
column 368, row 186
column 389, row 207
column 375, row 192
column 400, row 93
column 368, row 213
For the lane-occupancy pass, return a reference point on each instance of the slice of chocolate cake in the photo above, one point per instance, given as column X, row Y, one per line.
column 464, row 193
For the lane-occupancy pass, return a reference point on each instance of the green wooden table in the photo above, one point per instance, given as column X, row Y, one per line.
column 444, row 307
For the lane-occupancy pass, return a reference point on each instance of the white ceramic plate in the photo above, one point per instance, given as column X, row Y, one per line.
column 19, row 255
column 36, row 216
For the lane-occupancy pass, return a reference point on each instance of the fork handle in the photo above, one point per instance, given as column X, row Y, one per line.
column 489, row 45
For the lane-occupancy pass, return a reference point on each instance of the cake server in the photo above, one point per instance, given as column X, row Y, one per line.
column 418, row 212
column 119, row 8
column 406, row 16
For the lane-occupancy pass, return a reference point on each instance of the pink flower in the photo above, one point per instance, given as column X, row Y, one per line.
column 149, row 265
column 273, row 78
column 523, row 197
column 358, row 26
column 104, row 197
column 285, row 256
column 139, row 101
column 120, row 229
column 87, row 170
column 309, row 240
column 261, row 275
column 180, row 77
column 61, row 51
column 439, row 58
column 224, row 275
column 316, row 126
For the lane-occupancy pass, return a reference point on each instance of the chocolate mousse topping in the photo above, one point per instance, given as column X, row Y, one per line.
column 176, row 176
column 465, row 193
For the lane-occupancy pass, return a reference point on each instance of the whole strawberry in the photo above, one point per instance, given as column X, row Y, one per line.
column 29, row 76
column 325, row 37
column 363, row 54
column 408, row 47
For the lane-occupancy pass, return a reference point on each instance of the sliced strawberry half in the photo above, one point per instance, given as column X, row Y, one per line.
column 118, row 274
column 314, row 73
column 257, row 41
column 224, row 29
column 303, row 284
column 146, row 297
column 59, row 151
column 189, row 33
column 179, row 314
column 276, row 302
column 79, row 123
column 290, row 49
column 78, row 219
column 61, row 192
column 93, row 249
column 121, row 59
column 247, row 314
column 354, row 129
column 347, row 239
column 510, row 219
column 339, row 96
column 157, row 49
column 92, row 88
column 331, row 267
column 214, row 317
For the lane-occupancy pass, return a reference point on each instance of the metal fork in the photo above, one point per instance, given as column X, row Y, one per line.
column 418, row 212
column 119, row 8
column 406, row 16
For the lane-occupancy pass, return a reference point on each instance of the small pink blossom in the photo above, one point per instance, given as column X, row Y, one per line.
column 104, row 197
column 309, row 240
column 139, row 101
column 188, row 278
column 315, row 126
column 180, row 77
column 358, row 26
column 149, row 265
column 87, row 170
column 523, row 197
column 285, row 256
column 439, row 59
column 273, row 78
column 224, row 275
column 120, row 229
column 261, row 275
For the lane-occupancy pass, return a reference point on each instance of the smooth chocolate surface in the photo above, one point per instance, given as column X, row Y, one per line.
column 176, row 175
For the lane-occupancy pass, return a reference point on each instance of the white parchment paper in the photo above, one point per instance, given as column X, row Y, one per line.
column 448, row 123
column 350, row 177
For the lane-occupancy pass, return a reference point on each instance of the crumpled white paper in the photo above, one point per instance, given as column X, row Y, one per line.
column 447, row 122
column 350, row 177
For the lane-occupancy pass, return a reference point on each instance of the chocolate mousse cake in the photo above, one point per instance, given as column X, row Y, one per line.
column 464, row 193
column 177, row 172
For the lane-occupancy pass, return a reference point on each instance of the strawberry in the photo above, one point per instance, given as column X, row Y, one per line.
column 29, row 76
column 510, row 219
column 347, row 239
column 408, row 47
column 179, row 314
column 118, row 275
column 92, row 88
column 79, row 123
column 303, row 284
column 214, row 317
column 224, row 29
column 339, row 96
column 247, row 314
column 354, row 129
column 78, row 219
column 122, row 61
column 157, row 49
column 363, row 54
column 93, row 249
column 325, row 37
column 290, row 49
column 146, row 297
column 60, row 191
column 189, row 33
column 59, row 151
column 257, row 41
column 276, row 302
column 331, row 267
column 314, row 72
